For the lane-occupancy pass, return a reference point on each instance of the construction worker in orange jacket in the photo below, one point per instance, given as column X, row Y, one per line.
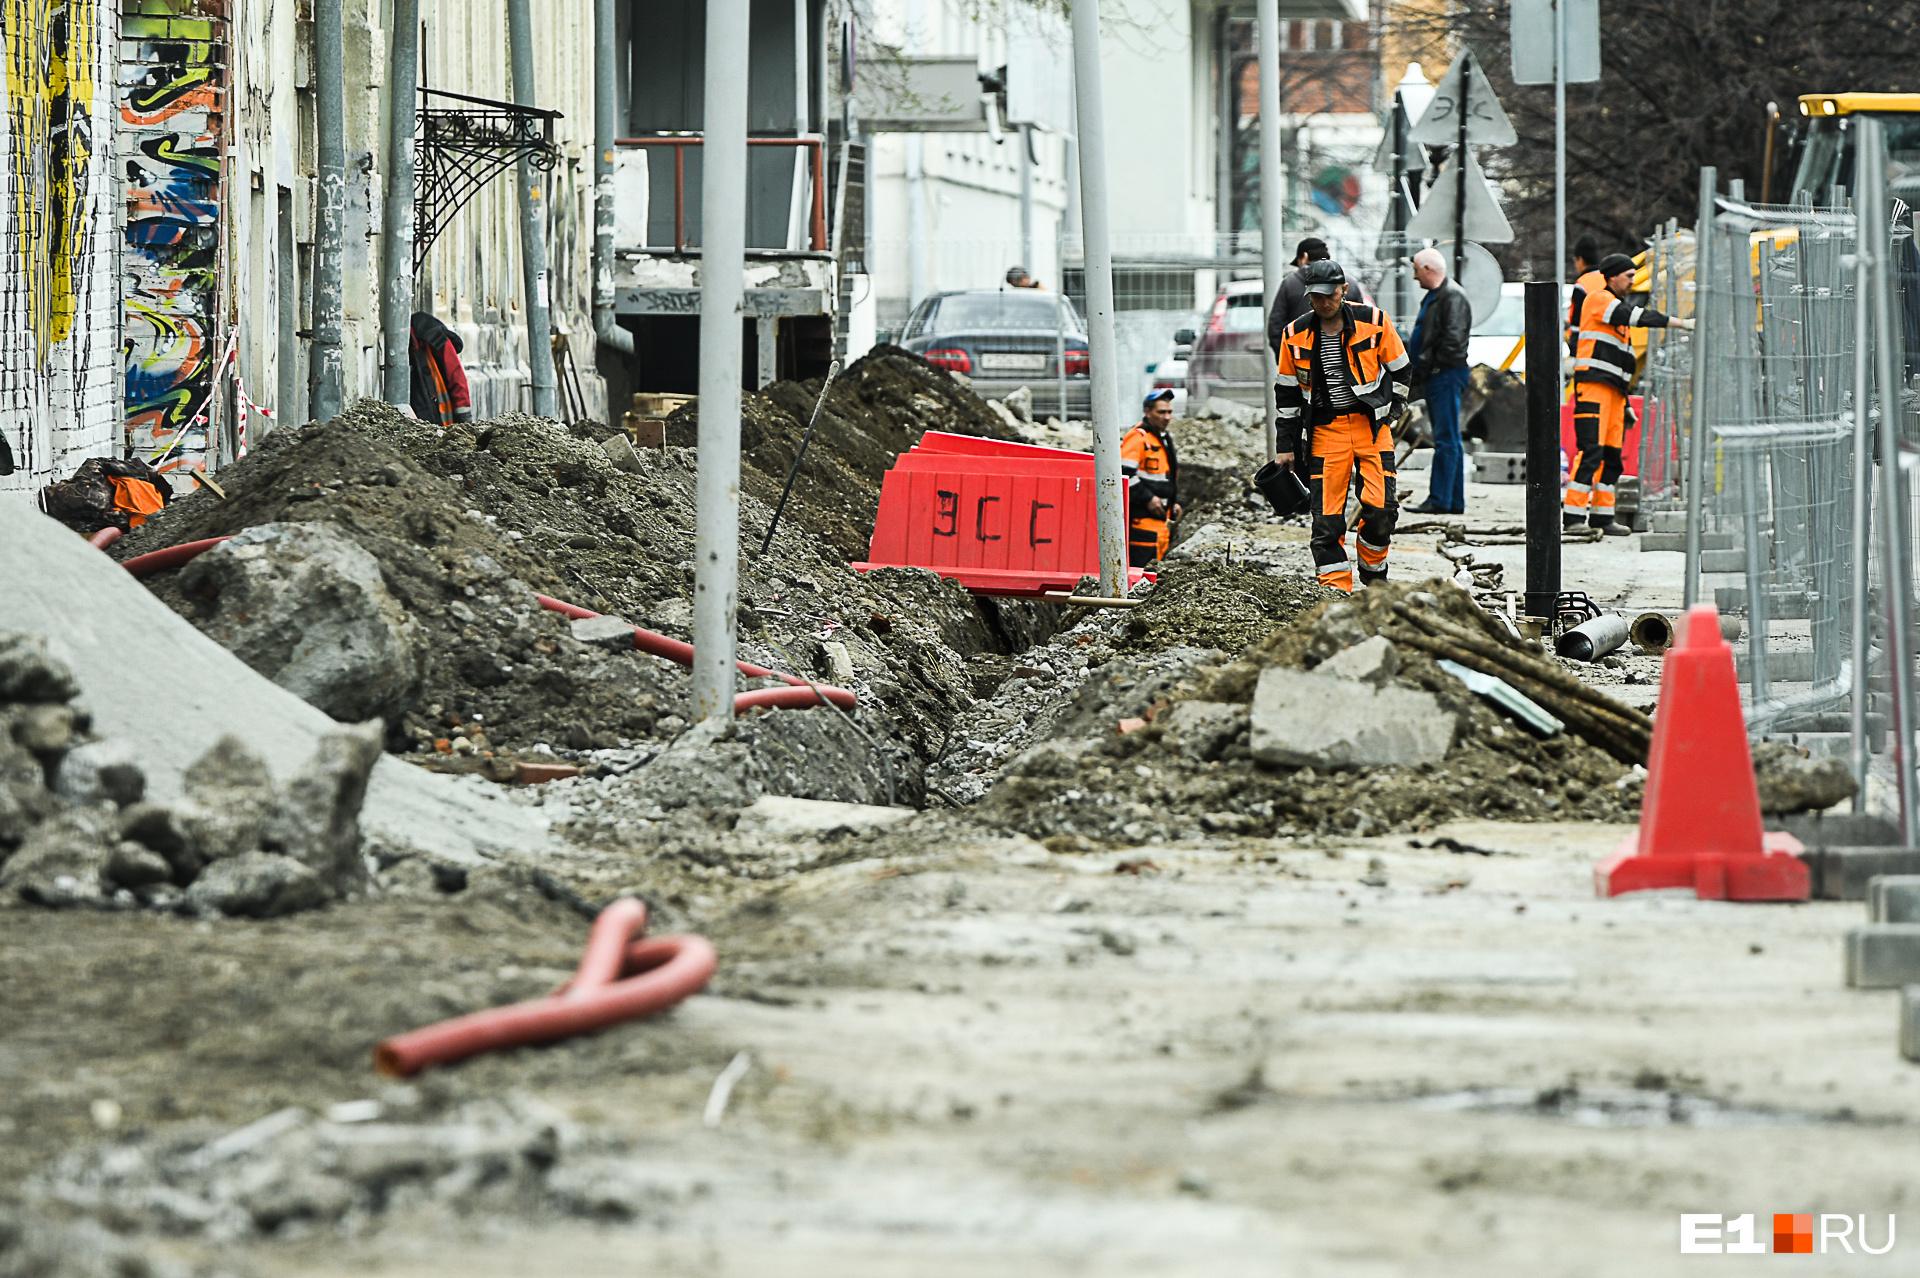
column 1602, row 372
column 1342, row 380
column 1152, row 468
column 1586, row 280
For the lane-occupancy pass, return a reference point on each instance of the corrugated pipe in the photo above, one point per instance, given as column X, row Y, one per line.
column 606, row 93
column 799, row 694
column 622, row 976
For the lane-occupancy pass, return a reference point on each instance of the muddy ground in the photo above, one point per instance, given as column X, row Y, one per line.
column 1104, row 1003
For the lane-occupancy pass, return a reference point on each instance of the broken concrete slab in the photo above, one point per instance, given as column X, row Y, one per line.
column 612, row 633
column 1372, row 661
column 309, row 609
column 782, row 817
column 63, row 861
column 141, row 664
column 258, row 885
column 1304, row 720
column 1883, row 956
column 1894, row 898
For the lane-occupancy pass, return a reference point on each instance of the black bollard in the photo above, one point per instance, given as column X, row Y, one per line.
column 1545, row 342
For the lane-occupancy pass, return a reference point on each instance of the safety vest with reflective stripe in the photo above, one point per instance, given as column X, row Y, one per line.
column 1377, row 369
column 1586, row 286
column 1605, row 354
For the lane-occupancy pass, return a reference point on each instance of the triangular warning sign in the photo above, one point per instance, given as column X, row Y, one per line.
column 1413, row 156
column 1487, row 123
column 1435, row 220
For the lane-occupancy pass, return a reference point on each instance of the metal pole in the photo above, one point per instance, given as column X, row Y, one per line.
column 1397, row 209
column 1559, row 145
column 533, row 219
column 396, row 249
column 723, row 248
column 1103, row 351
column 1862, row 645
column 1024, row 139
column 1543, row 447
column 326, row 373
column 917, row 283
column 1697, row 451
column 1460, row 161
column 1274, row 265
column 606, row 94
column 1895, row 579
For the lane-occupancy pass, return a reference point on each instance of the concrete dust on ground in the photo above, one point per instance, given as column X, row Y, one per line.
column 1089, row 999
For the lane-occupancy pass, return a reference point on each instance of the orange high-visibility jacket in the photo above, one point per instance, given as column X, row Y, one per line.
column 1605, row 352
column 1378, row 371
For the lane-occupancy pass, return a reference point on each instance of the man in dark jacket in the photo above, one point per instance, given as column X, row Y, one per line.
column 439, row 391
column 1290, row 300
column 1439, row 354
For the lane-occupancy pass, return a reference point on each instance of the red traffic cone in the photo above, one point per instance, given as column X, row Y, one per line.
column 1700, row 817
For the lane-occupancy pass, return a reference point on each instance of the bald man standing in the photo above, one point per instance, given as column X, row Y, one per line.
column 1439, row 354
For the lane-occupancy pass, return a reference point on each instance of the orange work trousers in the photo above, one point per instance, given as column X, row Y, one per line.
column 1352, row 443
column 1599, row 430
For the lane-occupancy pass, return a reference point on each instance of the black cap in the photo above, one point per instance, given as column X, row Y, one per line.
column 1323, row 277
column 1614, row 263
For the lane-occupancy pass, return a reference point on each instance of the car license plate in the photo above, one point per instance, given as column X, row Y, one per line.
column 1015, row 363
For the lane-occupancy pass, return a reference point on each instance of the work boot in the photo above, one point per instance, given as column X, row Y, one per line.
column 1571, row 521
column 1615, row 530
column 1366, row 579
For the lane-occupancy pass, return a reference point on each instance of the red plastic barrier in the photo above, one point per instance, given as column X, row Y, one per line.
column 1001, row 518
column 1700, row 824
column 1630, row 444
column 799, row 694
column 621, row 977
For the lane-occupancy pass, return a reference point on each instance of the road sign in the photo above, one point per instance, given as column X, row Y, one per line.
column 1435, row 218
column 1413, row 156
column 1480, row 276
column 1533, row 41
column 1487, row 123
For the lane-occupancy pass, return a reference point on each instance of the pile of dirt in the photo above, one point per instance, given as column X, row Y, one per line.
column 1215, row 605
column 1190, row 772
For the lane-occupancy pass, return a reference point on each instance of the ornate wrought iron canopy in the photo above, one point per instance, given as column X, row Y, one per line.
column 459, row 149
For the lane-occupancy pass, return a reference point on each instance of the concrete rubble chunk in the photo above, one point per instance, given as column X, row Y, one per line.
column 779, row 816
column 48, row 731
column 836, row 662
column 133, row 866
column 1372, row 661
column 306, row 607
column 97, row 772
column 257, row 885
column 163, row 830
column 63, row 861
column 1204, row 729
column 229, row 797
column 612, row 633
column 1312, row 720
column 1894, row 898
column 317, row 820
column 31, row 675
column 1883, row 956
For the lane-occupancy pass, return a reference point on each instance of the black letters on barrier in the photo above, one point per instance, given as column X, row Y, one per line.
column 980, row 520
column 1033, row 524
column 949, row 510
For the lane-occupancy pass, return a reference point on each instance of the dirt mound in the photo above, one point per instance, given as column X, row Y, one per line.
column 1212, row 605
column 1190, row 772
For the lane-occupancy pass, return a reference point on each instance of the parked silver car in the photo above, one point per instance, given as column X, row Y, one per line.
column 1003, row 339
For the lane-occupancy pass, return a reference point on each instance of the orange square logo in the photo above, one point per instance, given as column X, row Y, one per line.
column 1793, row 1232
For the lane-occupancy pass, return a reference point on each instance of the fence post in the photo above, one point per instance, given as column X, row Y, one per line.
column 1544, row 344
column 1860, row 570
column 1895, row 581
column 1697, row 451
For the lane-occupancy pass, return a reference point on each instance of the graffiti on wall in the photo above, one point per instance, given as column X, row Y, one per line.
column 171, row 90
column 57, row 336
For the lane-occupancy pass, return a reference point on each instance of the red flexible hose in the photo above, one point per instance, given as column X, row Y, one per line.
column 621, row 977
column 105, row 537
column 799, row 694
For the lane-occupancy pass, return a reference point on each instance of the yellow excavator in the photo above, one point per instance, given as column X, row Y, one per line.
column 1827, row 148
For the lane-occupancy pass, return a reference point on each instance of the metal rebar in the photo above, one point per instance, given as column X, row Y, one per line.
column 1274, row 265
column 326, row 372
column 1103, row 349
column 723, row 233
column 396, row 248
column 533, row 220
column 1695, row 476
column 1861, row 568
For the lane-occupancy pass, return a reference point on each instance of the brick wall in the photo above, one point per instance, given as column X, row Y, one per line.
column 59, row 311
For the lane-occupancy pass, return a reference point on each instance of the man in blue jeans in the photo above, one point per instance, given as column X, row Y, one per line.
column 1439, row 354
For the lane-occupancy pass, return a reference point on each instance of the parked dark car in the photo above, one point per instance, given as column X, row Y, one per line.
column 1003, row 339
